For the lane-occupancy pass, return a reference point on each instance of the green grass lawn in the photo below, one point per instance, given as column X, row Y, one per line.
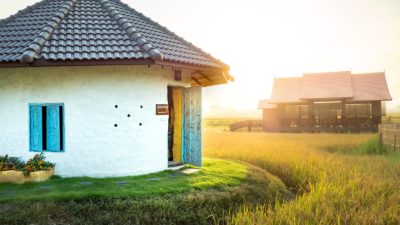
column 208, row 197
column 215, row 173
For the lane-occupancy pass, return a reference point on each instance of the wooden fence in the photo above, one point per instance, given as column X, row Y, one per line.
column 389, row 135
column 391, row 119
column 250, row 124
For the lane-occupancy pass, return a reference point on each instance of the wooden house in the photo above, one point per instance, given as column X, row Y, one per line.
column 101, row 89
column 330, row 102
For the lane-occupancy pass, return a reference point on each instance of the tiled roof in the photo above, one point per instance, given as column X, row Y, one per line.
column 331, row 86
column 59, row 30
column 370, row 87
column 286, row 90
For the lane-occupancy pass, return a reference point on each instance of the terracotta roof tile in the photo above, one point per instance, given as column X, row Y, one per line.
column 92, row 29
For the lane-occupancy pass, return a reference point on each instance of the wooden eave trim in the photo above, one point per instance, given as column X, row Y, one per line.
column 13, row 65
column 45, row 63
column 104, row 62
column 207, row 84
column 214, row 83
column 290, row 102
column 94, row 62
column 189, row 66
column 365, row 101
column 327, row 99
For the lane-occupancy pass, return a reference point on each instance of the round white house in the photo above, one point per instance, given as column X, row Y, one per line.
column 101, row 89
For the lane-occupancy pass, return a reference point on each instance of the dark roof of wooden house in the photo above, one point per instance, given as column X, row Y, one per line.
column 71, row 32
column 331, row 86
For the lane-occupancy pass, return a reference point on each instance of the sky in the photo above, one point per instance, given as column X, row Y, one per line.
column 263, row 39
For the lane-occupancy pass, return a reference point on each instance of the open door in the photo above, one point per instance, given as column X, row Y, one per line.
column 175, row 102
column 192, row 134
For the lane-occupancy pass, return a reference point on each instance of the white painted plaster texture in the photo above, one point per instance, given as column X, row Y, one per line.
column 93, row 146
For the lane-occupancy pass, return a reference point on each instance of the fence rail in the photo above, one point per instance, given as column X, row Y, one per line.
column 250, row 124
column 389, row 135
column 391, row 119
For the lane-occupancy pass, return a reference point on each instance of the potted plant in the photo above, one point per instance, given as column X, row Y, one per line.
column 14, row 170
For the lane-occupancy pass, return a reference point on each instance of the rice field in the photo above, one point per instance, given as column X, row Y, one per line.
column 337, row 178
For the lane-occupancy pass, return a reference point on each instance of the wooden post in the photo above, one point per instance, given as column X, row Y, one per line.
column 394, row 141
column 311, row 113
column 376, row 108
column 343, row 113
column 379, row 106
column 298, row 115
column 380, row 132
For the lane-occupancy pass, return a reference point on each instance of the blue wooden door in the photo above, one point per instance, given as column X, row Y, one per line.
column 36, row 128
column 53, row 128
column 192, row 134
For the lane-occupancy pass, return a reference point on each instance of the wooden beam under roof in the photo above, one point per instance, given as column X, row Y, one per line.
column 202, row 75
column 197, row 81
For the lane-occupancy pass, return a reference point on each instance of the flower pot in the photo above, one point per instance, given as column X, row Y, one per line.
column 40, row 176
column 11, row 176
column 17, row 177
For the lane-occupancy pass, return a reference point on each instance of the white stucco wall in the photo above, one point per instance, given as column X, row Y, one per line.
column 93, row 146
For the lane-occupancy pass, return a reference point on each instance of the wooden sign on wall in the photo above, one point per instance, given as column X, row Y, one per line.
column 162, row 109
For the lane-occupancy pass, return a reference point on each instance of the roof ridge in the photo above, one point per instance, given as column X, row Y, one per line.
column 133, row 34
column 328, row 72
column 165, row 29
column 32, row 51
column 287, row 78
column 23, row 11
column 369, row 73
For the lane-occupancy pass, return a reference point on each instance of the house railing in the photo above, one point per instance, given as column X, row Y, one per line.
column 250, row 124
column 389, row 135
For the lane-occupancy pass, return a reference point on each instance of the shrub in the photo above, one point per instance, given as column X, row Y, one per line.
column 372, row 146
column 11, row 163
column 37, row 163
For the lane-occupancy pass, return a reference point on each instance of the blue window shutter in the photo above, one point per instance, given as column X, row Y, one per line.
column 36, row 128
column 53, row 128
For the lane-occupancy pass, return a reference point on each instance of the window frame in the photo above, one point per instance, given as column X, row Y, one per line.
column 291, row 112
column 356, row 106
column 63, row 126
